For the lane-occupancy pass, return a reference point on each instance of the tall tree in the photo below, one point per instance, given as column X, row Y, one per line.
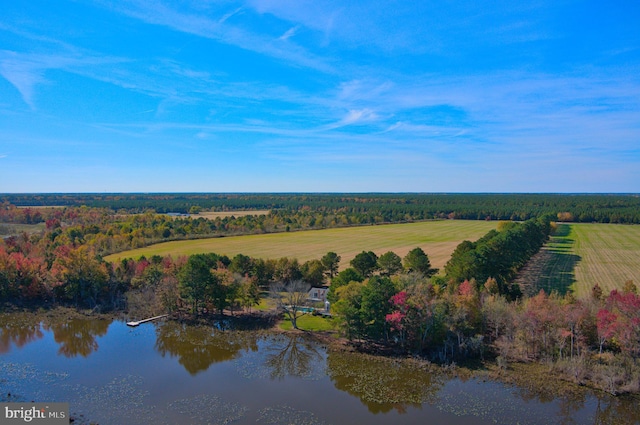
column 418, row 261
column 376, row 296
column 365, row 263
column 291, row 297
column 389, row 264
column 313, row 272
column 195, row 280
column 331, row 262
column 343, row 278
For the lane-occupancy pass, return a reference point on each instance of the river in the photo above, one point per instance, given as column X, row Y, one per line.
column 172, row 373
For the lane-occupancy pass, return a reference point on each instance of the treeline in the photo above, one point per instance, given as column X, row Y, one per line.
column 105, row 232
column 595, row 341
column 34, row 272
column 367, row 208
column 495, row 259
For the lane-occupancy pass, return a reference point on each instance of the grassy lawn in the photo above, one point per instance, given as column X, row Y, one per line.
column 309, row 322
column 437, row 238
column 265, row 303
column 580, row 255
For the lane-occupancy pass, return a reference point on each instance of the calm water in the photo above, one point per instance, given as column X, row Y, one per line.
column 169, row 373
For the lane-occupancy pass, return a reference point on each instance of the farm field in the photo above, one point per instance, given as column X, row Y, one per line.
column 12, row 229
column 437, row 238
column 609, row 256
column 212, row 215
column 580, row 255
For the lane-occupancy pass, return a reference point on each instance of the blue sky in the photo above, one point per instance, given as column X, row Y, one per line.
column 320, row 96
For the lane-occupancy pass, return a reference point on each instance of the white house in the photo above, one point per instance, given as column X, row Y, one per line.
column 318, row 293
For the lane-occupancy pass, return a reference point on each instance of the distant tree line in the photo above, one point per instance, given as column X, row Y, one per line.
column 366, row 208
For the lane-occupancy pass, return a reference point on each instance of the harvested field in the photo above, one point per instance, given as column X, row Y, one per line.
column 212, row 215
column 581, row 255
column 437, row 238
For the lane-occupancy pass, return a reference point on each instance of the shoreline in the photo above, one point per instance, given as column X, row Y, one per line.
column 530, row 375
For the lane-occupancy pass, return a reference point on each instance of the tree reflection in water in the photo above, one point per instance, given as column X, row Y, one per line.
column 19, row 330
column 198, row 347
column 292, row 355
column 78, row 336
column 617, row 410
column 383, row 384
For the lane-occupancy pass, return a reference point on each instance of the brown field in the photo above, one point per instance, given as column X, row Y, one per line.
column 437, row 238
column 212, row 215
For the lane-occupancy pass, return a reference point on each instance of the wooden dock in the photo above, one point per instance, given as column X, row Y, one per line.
column 146, row 320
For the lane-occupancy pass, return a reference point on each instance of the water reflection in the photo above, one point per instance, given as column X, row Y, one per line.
column 292, row 355
column 383, row 384
column 617, row 410
column 78, row 336
column 198, row 347
column 18, row 330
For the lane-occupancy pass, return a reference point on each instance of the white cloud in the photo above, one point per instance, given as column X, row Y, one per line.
column 159, row 13
column 290, row 33
column 27, row 70
column 229, row 15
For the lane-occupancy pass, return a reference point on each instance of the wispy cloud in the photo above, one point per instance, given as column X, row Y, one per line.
column 290, row 33
column 26, row 70
column 217, row 28
column 229, row 15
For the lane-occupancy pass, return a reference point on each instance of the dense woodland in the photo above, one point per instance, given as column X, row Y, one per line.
column 469, row 310
column 363, row 208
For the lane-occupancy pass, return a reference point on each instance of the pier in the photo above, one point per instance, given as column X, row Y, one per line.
column 146, row 320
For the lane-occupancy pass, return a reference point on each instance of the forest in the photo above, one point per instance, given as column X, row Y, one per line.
column 470, row 310
column 350, row 209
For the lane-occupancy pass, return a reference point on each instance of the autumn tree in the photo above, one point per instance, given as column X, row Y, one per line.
column 79, row 275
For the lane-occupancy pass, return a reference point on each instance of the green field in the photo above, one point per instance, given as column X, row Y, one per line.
column 580, row 255
column 437, row 238
column 609, row 255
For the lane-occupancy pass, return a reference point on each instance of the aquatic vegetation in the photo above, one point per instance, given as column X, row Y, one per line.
column 383, row 384
column 287, row 415
column 207, row 409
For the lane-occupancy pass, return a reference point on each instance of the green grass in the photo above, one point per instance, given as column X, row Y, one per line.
column 309, row 322
column 580, row 255
column 609, row 255
column 265, row 303
column 437, row 238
